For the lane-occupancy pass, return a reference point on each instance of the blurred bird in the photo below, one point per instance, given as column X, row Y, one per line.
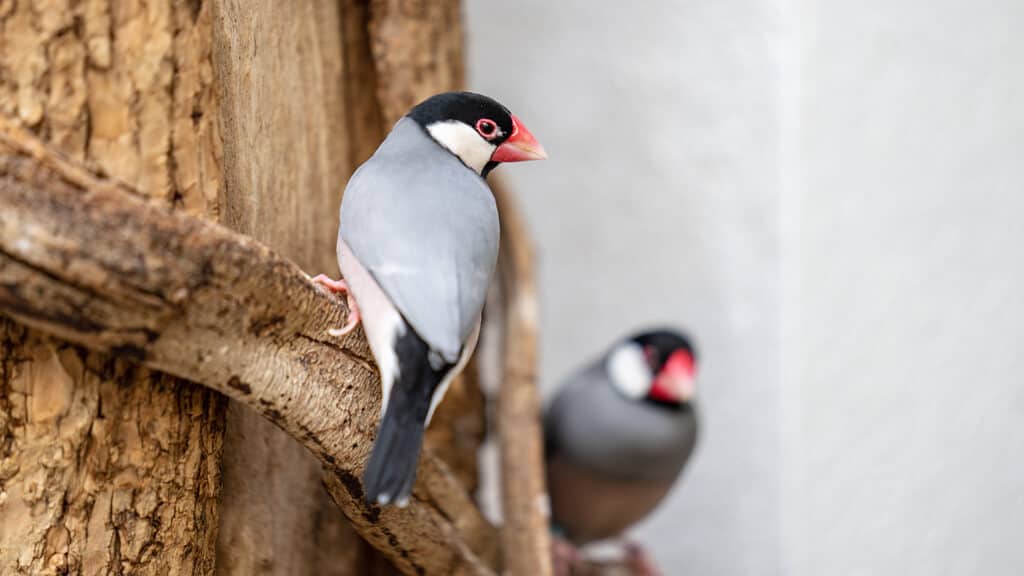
column 617, row 435
column 417, row 247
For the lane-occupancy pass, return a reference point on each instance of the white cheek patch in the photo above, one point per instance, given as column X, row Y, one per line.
column 463, row 141
column 627, row 368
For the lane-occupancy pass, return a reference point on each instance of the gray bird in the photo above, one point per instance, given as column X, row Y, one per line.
column 417, row 247
column 618, row 434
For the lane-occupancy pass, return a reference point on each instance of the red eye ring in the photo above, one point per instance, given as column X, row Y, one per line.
column 487, row 128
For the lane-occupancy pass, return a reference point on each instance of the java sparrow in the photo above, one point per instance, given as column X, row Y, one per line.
column 417, row 247
column 618, row 434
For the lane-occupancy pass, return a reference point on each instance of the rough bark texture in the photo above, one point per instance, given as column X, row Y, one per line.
column 417, row 50
column 106, row 468
column 286, row 159
column 304, row 93
column 285, row 190
column 89, row 261
column 89, row 457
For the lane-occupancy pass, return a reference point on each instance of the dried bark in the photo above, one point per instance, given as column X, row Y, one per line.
column 91, row 262
column 285, row 190
column 131, row 88
column 87, row 461
column 417, row 49
column 105, row 467
column 286, row 158
column 525, row 535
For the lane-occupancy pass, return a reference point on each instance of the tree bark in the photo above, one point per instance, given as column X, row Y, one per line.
column 286, row 159
column 193, row 299
column 302, row 93
column 285, row 191
column 525, row 535
column 106, row 467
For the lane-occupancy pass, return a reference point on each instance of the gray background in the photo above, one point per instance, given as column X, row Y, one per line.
column 828, row 196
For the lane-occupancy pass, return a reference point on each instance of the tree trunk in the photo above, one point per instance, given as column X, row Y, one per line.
column 300, row 114
column 253, row 113
column 106, row 467
column 286, row 158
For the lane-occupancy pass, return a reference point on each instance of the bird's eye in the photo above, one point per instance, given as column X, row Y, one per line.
column 651, row 354
column 487, row 128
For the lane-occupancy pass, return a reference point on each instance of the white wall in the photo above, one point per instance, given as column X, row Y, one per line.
column 830, row 196
column 909, row 449
column 659, row 204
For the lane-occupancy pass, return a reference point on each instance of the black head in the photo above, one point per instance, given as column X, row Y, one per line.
column 660, row 344
column 478, row 130
column 489, row 118
column 657, row 366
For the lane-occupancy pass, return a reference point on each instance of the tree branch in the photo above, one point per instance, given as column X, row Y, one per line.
column 93, row 262
column 525, row 535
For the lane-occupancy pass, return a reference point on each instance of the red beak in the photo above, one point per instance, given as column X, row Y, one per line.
column 520, row 146
column 675, row 382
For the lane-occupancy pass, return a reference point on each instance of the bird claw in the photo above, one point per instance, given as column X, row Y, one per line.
column 565, row 556
column 334, row 286
column 353, row 321
column 640, row 563
column 340, row 286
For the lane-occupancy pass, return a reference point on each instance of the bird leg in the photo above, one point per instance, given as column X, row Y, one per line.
column 565, row 556
column 339, row 286
column 639, row 561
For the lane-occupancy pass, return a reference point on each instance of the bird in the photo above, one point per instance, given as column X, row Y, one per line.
column 617, row 435
column 417, row 247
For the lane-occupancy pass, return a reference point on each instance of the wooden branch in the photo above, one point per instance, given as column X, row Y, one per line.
column 282, row 82
column 526, row 539
column 93, row 262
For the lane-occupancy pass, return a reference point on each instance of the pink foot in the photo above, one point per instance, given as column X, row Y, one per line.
column 565, row 556
column 336, row 286
column 639, row 562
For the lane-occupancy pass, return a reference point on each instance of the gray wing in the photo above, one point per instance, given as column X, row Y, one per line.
column 594, row 426
column 426, row 227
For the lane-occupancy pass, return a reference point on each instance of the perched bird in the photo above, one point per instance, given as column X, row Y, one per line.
column 417, row 247
column 617, row 435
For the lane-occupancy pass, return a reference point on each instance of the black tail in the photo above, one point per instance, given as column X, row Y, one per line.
column 391, row 471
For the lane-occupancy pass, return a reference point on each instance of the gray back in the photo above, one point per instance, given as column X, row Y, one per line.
column 594, row 426
column 426, row 227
